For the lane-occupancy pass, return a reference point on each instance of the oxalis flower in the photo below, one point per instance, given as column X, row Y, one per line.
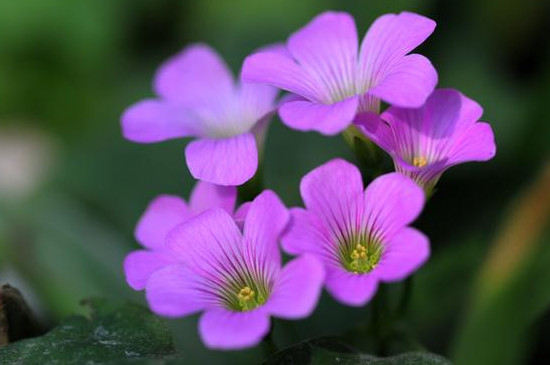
column 162, row 215
column 332, row 80
column 426, row 141
column 235, row 277
column 198, row 97
column 360, row 235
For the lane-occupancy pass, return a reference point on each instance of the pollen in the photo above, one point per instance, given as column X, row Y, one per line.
column 246, row 294
column 362, row 256
column 249, row 298
column 419, row 161
column 360, row 259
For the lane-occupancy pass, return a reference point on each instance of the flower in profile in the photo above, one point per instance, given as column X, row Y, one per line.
column 361, row 236
column 332, row 79
column 426, row 141
column 161, row 216
column 198, row 97
column 235, row 277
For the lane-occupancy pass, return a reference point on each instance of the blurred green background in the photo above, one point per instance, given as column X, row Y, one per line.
column 72, row 189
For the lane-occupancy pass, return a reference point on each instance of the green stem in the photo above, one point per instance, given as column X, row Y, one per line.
column 268, row 345
column 366, row 153
column 380, row 320
column 405, row 301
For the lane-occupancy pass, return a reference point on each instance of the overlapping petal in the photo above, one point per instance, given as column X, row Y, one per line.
column 162, row 215
column 305, row 233
column 206, row 195
column 141, row 264
column 266, row 219
column 207, row 243
column 297, row 288
column 174, row 292
column 224, row 161
column 409, row 82
column 328, row 119
column 279, row 70
column 322, row 66
column 425, row 141
column 360, row 236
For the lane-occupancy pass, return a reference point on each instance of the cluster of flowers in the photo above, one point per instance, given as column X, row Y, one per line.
column 208, row 256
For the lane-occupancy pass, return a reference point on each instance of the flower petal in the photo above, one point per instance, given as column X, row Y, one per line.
column 207, row 240
column 205, row 196
column 445, row 124
column 225, row 161
column 409, row 82
column 257, row 100
column 404, row 254
column 265, row 221
column 476, row 144
column 140, row 265
column 279, row 70
column 387, row 41
column 172, row 292
column 327, row 49
column 162, row 215
column 241, row 213
column 225, row 330
column 297, row 289
column 328, row 119
column 377, row 130
column 332, row 192
column 303, row 233
column 392, row 201
column 152, row 121
column 349, row 288
column 190, row 77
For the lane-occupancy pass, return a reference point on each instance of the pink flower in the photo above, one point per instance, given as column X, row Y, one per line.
column 162, row 215
column 198, row 97
column 235, row 277
column 332, row 79
column 426, row 141
column 361, row 236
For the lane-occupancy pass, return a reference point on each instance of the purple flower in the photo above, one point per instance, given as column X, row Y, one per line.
column 198, row 97
column 162, row 215
column 235, row 277
column 360, row 235
column 332, row 80
column 427, row 141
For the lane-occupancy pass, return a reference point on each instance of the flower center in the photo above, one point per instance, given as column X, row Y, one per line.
column 419, row 161
column 248, row 299
column 360, row 254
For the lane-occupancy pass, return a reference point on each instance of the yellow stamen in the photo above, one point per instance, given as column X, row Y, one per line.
column 420, row 161
column 246, row 294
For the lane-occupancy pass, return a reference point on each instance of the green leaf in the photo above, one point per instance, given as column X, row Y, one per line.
column 327, row 351
column 115, row 333
column 512, row 290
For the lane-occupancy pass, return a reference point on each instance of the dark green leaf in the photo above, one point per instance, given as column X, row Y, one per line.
column 114, row 333
column 326, row 351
